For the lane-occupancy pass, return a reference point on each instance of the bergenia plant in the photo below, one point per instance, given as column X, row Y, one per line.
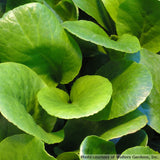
column 79, row 79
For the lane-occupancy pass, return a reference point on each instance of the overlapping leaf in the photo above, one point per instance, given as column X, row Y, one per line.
column 132, row 83
column 7, row 128
column 32, row 35
column 18, row 103
column 89, row 94
column 20, row 147
column 89, row 31
column 93, row 145
column 151, row 106
column 97, row 10
column 77, row 130
column 63, row 9
column 140, row 18
column 112, row 7
column 139, row 138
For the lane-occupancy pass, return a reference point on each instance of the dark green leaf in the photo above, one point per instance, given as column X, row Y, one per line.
column 44, row 47
column 64, row 8
column 77, row 130
column 7, row 128
column 139, row 138
column 96, row 9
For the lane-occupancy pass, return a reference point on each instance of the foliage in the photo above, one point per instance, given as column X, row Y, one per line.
column 78, row 78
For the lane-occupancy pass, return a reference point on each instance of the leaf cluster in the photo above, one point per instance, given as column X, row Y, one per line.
column 79, row 78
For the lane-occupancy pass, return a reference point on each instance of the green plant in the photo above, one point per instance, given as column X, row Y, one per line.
column 81, row 77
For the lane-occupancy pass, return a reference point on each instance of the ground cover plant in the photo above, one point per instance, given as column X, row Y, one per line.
column 79, row 78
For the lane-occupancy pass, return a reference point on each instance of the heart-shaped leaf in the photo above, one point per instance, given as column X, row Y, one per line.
column 20, row 147
column 18, row 103
column 89, row 94
column 141, row 19
column 32, row 35
column 90, row 31
column 93, row 145
column 151, row 106
column 132, row 83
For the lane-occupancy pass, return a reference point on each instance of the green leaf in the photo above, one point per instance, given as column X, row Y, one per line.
column 132, row 83
column 13, row 4
column 139, row 138
column 90, row 31
column 64, row 8
column 112, row 7
column 141, row 18
column 44, row 47
column 96, row 9
column 7, row 128
column 68, row 156
column 77, row 130
column 138, row 153
column 151, row 106
column 89, row 94
column 124, row 125
column 93, row 145
column 18, row 103
column 20, row 147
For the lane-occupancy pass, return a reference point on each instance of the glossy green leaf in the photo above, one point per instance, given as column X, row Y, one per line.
column 64, row 8
column 44, row 47
column 151, row 106
column 93, row 145
column 18, row 103
column 124, row 125
column 141, row 18
column 96, row 9
column 89, row 94
column 20, row 147
column 112, row 7
column 139, row 138
column 77, row 130
column 90, row 31
column 138, row 153
column 68, row 156
column 132, row 83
